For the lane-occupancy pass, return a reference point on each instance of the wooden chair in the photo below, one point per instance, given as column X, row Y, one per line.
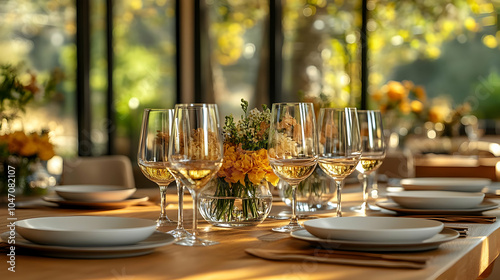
column 103, row 170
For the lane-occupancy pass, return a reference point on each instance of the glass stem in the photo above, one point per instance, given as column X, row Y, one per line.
column 195, row 214
column 365, row 191
column 163, row 201
column 293, row 218
column 340, row 184
column 180, row 214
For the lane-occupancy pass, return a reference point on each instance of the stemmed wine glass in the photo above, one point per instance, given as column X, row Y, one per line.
column 340, row 145
column 292, row 148
column 373, row 151
column 196, row 153
column 154, row 164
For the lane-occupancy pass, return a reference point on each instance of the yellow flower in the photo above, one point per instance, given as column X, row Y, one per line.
column 29, row 148
column 405, row 107
column 435, row 115
column 408, row 84
column 416, row 106
column 377, row 95
column 420, row 93
column 239, row 163
column 396, row 91
column 32, row 145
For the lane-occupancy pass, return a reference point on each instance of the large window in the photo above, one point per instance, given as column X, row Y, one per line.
column 321, row 52
column 311, row 49
column 39, row 37
column 449, row 48
column 239, row 52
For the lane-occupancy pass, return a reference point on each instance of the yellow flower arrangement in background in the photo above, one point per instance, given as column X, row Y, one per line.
column 403, row 97
column 21, row 151
column 32, row 146
column 405, row 106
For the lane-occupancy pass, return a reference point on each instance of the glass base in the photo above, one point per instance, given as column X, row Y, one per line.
column 288, row 228
column 374, row 207
column 364, row 208
column 165, row 222
column 287, row 217
column 192, row 240
column 179, row 233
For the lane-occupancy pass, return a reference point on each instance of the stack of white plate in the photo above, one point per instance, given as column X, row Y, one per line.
column 437, row 199
column 94, row 196
column 440, row 196
column 94, row 193
column 375, row 233
column 89, row 236
column 445, row 184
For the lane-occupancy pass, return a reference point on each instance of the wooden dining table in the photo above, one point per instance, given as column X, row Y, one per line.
column 461, row 258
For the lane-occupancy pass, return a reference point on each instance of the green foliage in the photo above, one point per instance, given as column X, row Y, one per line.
column 486, row 99
column 251, row 131
column 20, row 86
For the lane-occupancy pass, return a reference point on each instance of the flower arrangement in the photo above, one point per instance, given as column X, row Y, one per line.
column 31, row 146
column 245, row 148
column 22, row 152
column 401, row 100
column 18, row 88
column 406, row 106
column 245, row 167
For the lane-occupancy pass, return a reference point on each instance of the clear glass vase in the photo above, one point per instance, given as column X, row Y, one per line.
column 24, row 178
column 235, row 205
column 313, row 194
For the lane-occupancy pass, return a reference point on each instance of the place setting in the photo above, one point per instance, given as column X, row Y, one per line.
column 88, row 237
column 367, row 241
column 444, row 199
column 94, row 196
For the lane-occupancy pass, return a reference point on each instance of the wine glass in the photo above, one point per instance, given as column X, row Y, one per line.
column 292, row 148
column 339, row 145
column 373, row 151
column 474, row 127
column 196, row 153
column 153, row 161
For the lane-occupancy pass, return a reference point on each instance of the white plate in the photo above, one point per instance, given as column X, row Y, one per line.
column 436, row 199
column 445, row 184
column 484, row 206
column 85, row 230
column 96, row 205
column 429, row 244
column 373, row 229
column 94, row 193
column 147, row 246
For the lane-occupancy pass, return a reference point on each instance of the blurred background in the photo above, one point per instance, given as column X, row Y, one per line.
column 425, row 63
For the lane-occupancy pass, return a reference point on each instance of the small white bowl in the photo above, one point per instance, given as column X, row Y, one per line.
column 94, row 193
column 84, row 231
column 436, row 199
column 374, row 229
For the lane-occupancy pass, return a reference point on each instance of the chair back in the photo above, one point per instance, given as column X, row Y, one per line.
column 103, row 170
